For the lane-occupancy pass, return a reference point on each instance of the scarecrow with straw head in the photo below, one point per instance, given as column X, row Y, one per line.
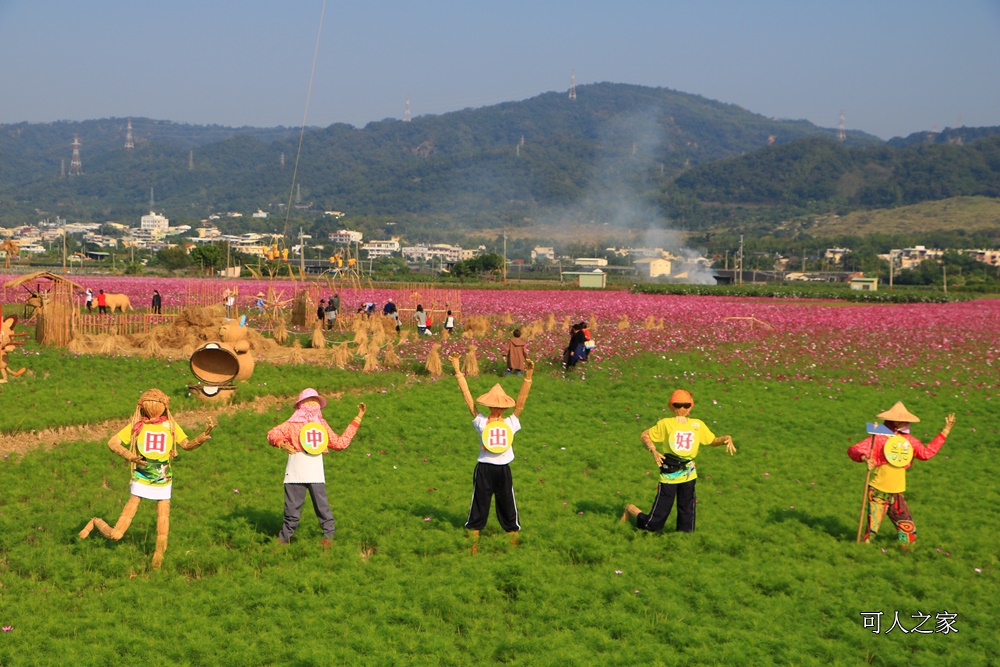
column 889, row 452
column 153, row 437
column 682, row 436
column 492, row 476
column 306, row 437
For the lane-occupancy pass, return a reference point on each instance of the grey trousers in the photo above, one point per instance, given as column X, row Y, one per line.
column 295, row 497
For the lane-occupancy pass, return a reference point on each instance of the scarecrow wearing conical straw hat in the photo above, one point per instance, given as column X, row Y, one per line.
column 153, row 437
column 306, row 437
column 888, row 456
column 492, row 476
column 682, row 436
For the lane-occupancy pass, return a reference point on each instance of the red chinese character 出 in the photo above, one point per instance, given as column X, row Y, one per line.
column 498, row 437
column 156, row 442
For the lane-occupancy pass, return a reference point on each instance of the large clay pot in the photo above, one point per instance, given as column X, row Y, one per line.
column 216, row 366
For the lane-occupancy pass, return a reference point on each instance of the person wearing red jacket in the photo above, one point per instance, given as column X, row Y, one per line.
column 888, row 457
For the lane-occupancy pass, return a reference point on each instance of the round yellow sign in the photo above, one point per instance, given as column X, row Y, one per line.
column 497, row 437
column 898, row 451
column 313, row 438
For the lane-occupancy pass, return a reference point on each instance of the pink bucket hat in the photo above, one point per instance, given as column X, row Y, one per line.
column 310, row 393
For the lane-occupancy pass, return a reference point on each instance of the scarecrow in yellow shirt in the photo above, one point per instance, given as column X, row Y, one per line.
column 888, row 456
column 682, row 436
column 153, row 437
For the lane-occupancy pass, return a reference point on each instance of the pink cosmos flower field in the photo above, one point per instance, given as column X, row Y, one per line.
column 795, row 337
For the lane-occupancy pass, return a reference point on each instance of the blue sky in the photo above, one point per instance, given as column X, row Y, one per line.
column 893, row 66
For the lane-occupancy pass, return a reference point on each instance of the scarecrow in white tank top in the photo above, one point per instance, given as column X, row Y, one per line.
column 492, row 476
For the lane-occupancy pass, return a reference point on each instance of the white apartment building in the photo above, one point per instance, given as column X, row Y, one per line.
column 441, row 251
column 156, row 225
column 542, row 253
column 346, row 236
column 377, row 249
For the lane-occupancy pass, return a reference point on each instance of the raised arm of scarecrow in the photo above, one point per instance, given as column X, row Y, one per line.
column 726, row 440
column 924, row 452
column 339, row 442
column 190, row 444
column 463, row 385
column 522, row 396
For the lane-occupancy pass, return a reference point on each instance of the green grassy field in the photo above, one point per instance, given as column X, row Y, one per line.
column 772, row 575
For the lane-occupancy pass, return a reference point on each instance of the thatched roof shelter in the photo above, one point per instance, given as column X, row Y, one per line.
column 39, row 277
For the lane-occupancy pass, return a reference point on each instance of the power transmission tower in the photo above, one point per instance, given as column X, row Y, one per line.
column 406, row 113
column 129, row 141
column 75, row 165
column 842, row 129
column 572, row 85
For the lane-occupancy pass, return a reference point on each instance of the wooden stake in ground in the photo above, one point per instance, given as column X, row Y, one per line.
column 153, row 443
column 864, row 497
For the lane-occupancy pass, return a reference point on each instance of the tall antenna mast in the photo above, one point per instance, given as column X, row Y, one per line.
column 406, row 113
column 191, row 160
column 75, row 165
column 152, row 201
column 842, row 129
column 129, row 141
column 572, row 84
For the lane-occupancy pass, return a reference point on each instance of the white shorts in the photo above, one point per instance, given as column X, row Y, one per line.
column 151, row 492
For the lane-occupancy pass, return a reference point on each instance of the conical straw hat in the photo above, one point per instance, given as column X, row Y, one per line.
column 496, row 398
column 898, row 413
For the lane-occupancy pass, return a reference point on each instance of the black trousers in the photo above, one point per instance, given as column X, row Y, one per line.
column 665, row 494
column 490, row 480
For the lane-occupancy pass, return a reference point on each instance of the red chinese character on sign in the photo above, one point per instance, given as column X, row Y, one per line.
column 314, row 437
column 498, row 437
column 683, row 441
column 156, row 442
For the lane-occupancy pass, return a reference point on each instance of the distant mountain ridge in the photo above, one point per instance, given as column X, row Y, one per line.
column 630, row 154
column 534, row 153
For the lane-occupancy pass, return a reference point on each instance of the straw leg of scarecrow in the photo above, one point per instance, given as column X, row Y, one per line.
column 124, row 521
column 162, row 531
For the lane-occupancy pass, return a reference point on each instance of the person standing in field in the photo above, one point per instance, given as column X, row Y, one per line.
column 306, row 437
column 492, row 475
column 390, row 310
column 157, row 302
column 230, row 301
column 90, row 300
column 449, row 322
column 321, row 310
column 516, row 353
column 102, row 302
column 421, row 317
column 889, row 457
column 682, row 436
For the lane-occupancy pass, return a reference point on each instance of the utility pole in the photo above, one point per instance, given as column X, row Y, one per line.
column 505, row 256
column 944, row 268
column 64, row 249
column 302, row 254
column 890, row 269
column 740, row 263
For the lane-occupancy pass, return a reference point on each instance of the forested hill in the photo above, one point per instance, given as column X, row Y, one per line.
column 820, row 175
column 474, row 164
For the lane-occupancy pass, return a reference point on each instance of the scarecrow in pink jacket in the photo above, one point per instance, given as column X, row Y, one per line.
column 306, row 437
column 888, row 457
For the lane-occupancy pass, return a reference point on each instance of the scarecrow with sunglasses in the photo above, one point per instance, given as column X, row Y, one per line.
column 496, row 437
column 682, row 436
column 889, row 456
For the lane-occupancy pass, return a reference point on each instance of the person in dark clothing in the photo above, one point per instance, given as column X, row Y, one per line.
column 575, row 351
column 321, row 310
column 157, row 302
column 389, row 310
column 331, row 315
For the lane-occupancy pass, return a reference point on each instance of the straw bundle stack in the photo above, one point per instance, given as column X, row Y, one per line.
column 470, row 364
column 363, row 344
column 318, row 341
column 390, row 358
column 507, row 319
column 341, row 355
column 150, row 346
column 371, row 360
column 296, row 356
column 550, row 322
column 623, row 323
column 404, row 334
column 649, row 322
column 433, row 362
column 280, row 332
column 592, row 322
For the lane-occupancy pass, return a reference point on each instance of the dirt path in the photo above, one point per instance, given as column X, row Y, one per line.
column 192, row 420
